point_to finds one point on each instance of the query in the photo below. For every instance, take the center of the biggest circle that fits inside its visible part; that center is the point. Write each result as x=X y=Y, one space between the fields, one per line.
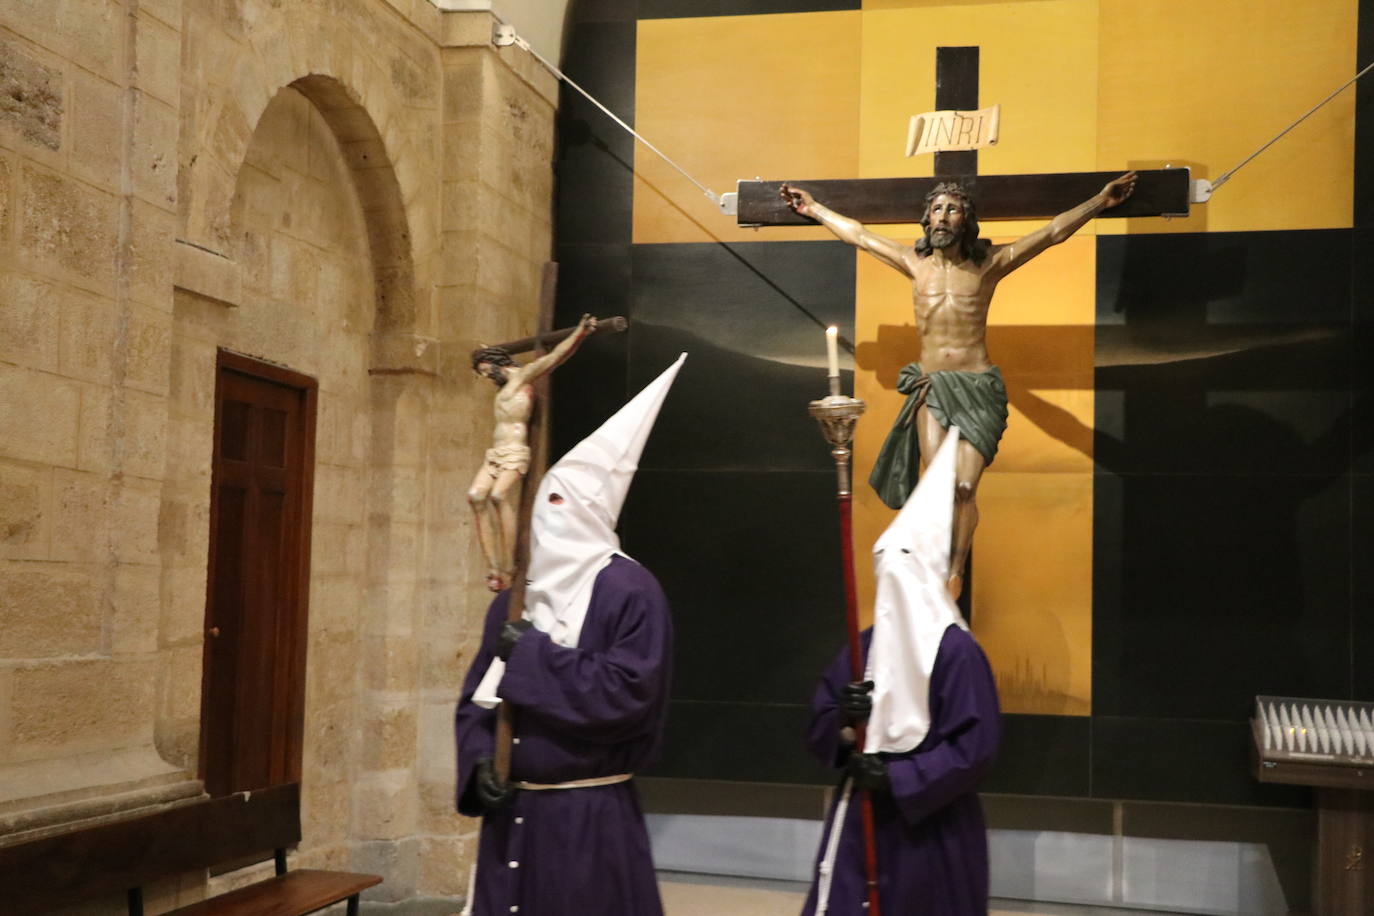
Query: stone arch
x=368 y=74
x=375 y=181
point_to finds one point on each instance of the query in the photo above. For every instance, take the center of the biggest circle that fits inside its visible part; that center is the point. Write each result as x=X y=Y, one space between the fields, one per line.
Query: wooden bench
x=122 y=856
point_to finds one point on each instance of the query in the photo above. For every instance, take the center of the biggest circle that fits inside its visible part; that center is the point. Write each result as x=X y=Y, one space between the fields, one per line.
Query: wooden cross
x=543 y=341
x=539 y=454
x=1158 y=192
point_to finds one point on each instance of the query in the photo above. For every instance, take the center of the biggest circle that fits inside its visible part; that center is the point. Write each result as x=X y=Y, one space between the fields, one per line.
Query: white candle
x=831 y=353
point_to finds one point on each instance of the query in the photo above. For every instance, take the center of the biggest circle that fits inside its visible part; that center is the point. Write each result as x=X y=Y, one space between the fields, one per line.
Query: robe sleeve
x=605 y=696
x=969 y=724
x=474 y=726
x=823 y=735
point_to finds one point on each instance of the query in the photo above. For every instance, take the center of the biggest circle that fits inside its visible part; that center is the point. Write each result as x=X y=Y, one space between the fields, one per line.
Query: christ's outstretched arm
x=559 y=354
x=1009 y=257
x=890 y=252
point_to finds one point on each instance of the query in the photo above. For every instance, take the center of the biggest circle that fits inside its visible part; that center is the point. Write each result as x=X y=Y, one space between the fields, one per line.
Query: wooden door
x=253 y=696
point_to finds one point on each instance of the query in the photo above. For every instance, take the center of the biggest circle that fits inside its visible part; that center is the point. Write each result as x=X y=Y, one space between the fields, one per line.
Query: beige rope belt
x=575 y=783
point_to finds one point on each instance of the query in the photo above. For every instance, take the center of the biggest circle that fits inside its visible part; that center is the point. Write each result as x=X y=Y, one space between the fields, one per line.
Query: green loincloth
x=976 y=402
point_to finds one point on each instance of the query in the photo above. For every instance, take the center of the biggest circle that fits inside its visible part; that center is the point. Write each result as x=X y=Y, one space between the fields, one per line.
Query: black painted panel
x=756 y=359
x=600 y=57
x=588 y=389
x=581 y=11
x=750 y=742
x=591 y=386
x=1210 y=590
x=1181 y=760
x=1362 y=586
x=750 y=564
x=1212 y=360
x=1041 y=755
x=1161 y=285
x=1176 y=420
x=593 y=278
x=595 y=162
x=1362 y=354
x=1061 y=814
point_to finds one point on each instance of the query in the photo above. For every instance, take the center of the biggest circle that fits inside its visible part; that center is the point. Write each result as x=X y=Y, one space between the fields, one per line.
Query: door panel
x=255 y=620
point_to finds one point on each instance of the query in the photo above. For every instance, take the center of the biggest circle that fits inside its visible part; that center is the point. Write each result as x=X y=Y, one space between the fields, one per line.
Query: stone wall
x=358 y=190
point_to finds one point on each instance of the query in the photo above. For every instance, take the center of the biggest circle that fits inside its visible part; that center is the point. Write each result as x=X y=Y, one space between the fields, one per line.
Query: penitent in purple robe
x=931 y=840
x=594 y=710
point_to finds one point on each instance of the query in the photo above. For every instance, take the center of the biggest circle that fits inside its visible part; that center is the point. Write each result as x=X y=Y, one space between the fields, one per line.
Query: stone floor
x=710 y=895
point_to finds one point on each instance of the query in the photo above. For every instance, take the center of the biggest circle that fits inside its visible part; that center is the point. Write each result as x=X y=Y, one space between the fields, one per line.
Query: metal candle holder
x=837 y=415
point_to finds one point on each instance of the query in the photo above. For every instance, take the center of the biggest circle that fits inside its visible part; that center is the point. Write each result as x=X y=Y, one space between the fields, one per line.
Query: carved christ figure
x=495 y=491
x=953 y=275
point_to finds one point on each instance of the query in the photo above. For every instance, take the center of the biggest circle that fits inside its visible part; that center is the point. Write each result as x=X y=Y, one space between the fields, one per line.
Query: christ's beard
x=941 y=238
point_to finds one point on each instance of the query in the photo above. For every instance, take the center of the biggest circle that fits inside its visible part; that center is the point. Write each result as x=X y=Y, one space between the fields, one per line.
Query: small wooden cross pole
x=539 y=459
x=1158 y=192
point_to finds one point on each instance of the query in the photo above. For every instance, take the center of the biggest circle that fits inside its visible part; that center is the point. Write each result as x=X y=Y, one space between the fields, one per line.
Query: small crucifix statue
x=496 y=490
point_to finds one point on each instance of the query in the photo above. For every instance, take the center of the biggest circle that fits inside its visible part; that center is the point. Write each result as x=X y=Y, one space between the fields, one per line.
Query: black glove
x=869 y=772
x=856 y=702
x=492 y=793
x=510 y=635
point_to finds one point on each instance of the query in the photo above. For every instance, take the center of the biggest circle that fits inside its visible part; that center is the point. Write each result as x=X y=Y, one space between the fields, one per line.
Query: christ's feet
x=497 y=582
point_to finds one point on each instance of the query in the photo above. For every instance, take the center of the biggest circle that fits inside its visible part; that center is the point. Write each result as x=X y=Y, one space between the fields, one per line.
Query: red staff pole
x=837 y=415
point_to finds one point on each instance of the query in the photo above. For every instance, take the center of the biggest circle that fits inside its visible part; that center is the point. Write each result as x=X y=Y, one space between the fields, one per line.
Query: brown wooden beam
x=956 y=89
x=1158 y=192
x=612 y=325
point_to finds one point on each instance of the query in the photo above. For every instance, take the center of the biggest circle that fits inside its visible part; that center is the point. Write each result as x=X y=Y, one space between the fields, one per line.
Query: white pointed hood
x=573 y=538
x=913 y=607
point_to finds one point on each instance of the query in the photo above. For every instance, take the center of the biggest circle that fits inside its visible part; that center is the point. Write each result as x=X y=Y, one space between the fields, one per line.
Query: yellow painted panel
x=1058 y=287
x=1048 y=431
x=1037 y=60
x=1208 y=82
x=926 y=4
x=1032 y=590
x=737 y=97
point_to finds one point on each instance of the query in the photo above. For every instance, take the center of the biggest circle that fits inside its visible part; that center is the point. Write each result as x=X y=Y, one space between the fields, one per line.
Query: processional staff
x=837 y=415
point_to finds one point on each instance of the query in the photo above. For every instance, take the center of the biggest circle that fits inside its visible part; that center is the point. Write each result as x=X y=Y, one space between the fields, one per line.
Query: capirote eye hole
x=556 y=498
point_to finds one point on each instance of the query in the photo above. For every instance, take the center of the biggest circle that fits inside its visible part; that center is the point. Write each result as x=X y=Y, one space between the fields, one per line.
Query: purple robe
x=594 y=710
x=931 y=840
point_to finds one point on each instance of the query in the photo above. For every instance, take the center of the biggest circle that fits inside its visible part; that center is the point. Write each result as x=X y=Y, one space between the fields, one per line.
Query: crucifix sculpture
x=534 y=424
x=953 y=276
x=496 y=491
